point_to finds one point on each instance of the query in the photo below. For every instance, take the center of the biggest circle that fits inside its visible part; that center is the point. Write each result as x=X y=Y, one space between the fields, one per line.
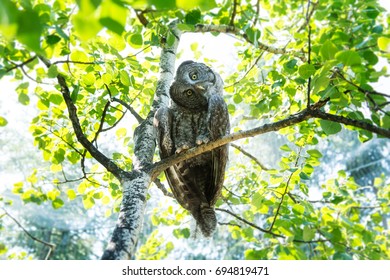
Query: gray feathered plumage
x=198 y=114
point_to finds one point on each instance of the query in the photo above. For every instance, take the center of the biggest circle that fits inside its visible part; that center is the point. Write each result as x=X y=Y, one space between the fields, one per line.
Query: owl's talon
x=182 y=148
x=202 y=140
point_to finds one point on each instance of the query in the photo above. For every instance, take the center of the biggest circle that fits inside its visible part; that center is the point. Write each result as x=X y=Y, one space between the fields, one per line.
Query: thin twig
x=21 y=64
x=257 y=12
x=244 y=152
x=50 y=245
x=234 y=11
x=128 y=107
x=247 y=72
x=308 y=52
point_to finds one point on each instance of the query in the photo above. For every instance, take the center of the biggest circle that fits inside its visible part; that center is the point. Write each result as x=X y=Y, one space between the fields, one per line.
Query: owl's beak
x=199 y=87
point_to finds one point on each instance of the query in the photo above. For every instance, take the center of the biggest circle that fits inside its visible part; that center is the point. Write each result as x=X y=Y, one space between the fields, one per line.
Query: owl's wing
x=183 y=178
x=219 y=126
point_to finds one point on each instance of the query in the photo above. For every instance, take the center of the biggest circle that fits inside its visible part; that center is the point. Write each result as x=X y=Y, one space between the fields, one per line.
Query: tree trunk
x=135 y=184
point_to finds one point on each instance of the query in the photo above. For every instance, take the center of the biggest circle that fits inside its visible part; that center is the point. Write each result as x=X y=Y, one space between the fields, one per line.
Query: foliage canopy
x=315 y=61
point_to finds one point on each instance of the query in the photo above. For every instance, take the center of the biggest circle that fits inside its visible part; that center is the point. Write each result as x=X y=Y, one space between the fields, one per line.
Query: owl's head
x=191 y=86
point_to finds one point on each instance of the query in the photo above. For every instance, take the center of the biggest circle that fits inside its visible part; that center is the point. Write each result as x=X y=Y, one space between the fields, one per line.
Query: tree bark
x=129 y=225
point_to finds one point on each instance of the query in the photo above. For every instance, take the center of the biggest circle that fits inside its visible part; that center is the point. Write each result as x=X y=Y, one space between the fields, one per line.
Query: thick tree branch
x=72 y=111
x=351 y=122
x=312 y=112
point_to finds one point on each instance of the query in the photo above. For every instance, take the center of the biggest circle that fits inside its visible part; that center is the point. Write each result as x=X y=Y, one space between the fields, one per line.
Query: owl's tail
x=206 y=220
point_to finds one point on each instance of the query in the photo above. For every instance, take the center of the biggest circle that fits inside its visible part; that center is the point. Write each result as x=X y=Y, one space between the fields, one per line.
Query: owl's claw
x=182 y=148
x=202 y=140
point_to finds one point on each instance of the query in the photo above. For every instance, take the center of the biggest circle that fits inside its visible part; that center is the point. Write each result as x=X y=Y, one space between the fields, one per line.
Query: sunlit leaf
x=384 y=44
x=306 y=70
x=135 y=40
x=330 y=127
x=3 y=121
x=57 y=203
x=29 y=29
x=328 y=50
x=349 y=58
x=71 y=194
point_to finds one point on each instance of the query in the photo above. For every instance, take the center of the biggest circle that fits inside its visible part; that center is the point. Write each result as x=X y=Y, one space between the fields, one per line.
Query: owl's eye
x=194 y=76
x=189 y=92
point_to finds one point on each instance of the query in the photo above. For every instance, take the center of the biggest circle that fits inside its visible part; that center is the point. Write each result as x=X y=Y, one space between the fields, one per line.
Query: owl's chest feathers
x=187 y=126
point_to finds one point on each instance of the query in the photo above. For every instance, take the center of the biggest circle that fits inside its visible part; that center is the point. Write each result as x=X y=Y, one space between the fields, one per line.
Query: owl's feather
x=198 y=114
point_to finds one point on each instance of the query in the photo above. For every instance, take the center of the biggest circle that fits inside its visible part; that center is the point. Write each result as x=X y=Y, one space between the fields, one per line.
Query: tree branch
x=48 y=244
x=72 y=111
x=247 y=72
x=265 y=230
x=244 y=152
x=128 y=107
x=128 y=228
x=257 y=12
x=308 y=113
x=21 y=64
x=234 y=11
x=355 y=123
x=238 y=32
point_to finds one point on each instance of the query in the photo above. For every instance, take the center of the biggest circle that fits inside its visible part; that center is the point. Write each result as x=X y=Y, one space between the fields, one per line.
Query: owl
x=197 y=114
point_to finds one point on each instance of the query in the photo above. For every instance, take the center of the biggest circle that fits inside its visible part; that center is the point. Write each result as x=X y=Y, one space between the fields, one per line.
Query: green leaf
x=53 y=71
x=57 y=203
x=8 y=18
x=285 y=148
x=298 y=209
x=29 y=29
x=330 y=127
x=384 y=44
x=86 y=22
x=306 y=70
x=304 y=176
x=73 y=157
x=237 y=98
x=170 y=38
x=253 y=35
x=89 y=79
x=320 y=83
x=328 y=50
x=164 y=4
x=308 y=233
x=24 y=99
x=59 y=156
x=3 y=121
x=113 y=16
x=186 y=27
x=71 y=194
x=88 y=202
x=349 y=58
x=192 y=17
x=314 y=153
x=112 y=25
x=204 y=5
x=55 y=98
x=135 y=40
x=52 y=39
x=125 y=78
